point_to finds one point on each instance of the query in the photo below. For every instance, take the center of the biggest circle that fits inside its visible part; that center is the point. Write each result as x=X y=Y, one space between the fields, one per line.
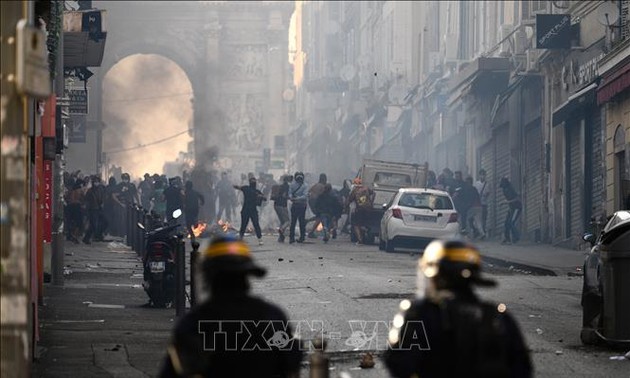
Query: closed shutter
x=575 y=182
x=597 y=166
x=533 y=193
x=502 y=159
x=487 y=163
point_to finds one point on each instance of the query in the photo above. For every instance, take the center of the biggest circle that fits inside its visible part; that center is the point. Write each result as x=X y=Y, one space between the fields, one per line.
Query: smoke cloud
x=146 y=99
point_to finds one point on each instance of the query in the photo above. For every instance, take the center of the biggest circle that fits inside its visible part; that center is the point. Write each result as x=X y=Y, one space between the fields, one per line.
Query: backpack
x=363 y=198
x=275 y=192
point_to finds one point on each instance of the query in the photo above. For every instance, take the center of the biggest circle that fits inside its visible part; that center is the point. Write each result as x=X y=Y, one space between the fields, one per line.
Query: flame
x=199 y=228
x=320 y=228
x=225 y=225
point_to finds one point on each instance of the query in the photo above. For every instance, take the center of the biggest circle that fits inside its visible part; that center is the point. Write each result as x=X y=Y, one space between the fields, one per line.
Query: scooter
x=162 y=245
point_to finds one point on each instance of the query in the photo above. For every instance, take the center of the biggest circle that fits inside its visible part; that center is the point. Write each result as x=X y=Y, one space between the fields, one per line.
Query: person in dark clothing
x=280 y=202
x=127 y=193
x=193 y=200
x=94 y=204
x=511 y=234
x=109 y=209
x=232 y=334
x=313 y=194
x=174 y=198
x=146 y=191
x=74 y=201
x=328 y=206
x=252 y=198
x=226 y=197
x=450 y=332
x=298 y=195
x=344 y=194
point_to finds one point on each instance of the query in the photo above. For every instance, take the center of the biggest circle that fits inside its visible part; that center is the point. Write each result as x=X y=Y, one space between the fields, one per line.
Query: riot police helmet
x=452 y=264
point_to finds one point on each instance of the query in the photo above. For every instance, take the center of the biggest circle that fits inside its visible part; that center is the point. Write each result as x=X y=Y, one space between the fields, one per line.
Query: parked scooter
x=162 y=244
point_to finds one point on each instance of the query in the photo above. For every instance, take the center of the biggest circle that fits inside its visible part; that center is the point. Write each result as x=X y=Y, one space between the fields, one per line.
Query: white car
x=416 y=216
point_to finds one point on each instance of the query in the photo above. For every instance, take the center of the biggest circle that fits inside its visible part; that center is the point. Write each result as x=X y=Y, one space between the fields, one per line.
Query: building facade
x=470 y=85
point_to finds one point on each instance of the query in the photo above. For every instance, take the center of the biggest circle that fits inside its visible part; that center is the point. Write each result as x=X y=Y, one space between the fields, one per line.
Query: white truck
x=385 y=178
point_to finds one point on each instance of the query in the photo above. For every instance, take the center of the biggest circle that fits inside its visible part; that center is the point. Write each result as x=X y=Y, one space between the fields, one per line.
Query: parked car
x=416 y=216
x=593 y=298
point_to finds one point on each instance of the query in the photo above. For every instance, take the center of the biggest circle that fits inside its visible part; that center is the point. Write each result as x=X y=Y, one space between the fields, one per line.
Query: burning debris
x=206 y=230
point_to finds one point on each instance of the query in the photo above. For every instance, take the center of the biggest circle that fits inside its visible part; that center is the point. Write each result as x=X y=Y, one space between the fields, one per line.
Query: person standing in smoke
x=511 y=234
x=94 y=202
x=226 y=197
x=146 y=191
x=313 y=194
x=252 y=198
x=298 y=195
x=193 y=201
x=280 y=196
x=174 y=198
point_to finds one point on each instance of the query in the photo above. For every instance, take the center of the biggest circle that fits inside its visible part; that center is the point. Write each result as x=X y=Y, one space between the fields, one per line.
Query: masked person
x=174 y=197
x=280 y=197
x=252 y=198
x=450 y=332
x=511 y=234
x=232 y=333
x=298 y=194
x=363 y=198
x=193 y=201
x=94 y=203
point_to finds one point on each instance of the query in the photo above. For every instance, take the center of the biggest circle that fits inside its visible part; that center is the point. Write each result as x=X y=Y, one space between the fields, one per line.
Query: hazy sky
x=146 y=98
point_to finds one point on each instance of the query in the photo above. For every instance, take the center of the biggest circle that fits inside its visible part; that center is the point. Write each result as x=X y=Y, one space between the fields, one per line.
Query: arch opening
x=148 y=110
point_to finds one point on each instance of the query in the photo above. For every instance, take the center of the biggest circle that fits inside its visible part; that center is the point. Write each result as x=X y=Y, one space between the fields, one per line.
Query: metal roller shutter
x=597 y=166
x=502 y=168
x=533 y=193
x=487 y=163
x=575 y=181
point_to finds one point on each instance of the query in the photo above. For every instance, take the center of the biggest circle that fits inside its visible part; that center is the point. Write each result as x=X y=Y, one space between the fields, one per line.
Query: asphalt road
x=96 y=324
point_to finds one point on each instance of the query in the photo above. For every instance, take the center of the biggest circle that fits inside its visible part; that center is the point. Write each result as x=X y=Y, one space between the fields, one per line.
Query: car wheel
x=389 y=246
x=381 y=245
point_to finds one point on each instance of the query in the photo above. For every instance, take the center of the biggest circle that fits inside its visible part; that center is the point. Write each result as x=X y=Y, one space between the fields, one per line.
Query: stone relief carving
x=244 y=120
x=246 y=62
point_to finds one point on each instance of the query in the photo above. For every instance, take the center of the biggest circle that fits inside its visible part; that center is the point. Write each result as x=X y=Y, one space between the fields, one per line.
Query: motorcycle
x=162 y=245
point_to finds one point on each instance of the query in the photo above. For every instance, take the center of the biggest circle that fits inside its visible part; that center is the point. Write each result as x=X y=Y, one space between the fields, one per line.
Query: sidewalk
x=545 y=257
x=95 y=325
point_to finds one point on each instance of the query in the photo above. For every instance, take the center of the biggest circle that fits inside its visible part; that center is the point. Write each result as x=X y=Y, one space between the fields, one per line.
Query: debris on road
x=535 y=316
x=617 y=358
x=280 y=259
x=559 y=352
x=367 y=361
x=539 y=331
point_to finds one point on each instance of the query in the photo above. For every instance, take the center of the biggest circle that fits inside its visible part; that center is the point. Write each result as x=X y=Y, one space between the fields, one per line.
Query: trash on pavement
x=280 y=259
x=92 y=266
x=535 y=316
x=367 y=361
x=617 y=358
x=539 y=331
x=559 y=352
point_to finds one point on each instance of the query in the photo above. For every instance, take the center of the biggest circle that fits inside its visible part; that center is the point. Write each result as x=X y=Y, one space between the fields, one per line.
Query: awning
x=614 y=84
x=584 y=96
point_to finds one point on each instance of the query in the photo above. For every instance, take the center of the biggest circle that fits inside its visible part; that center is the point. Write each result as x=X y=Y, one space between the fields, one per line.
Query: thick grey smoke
x=146 y=98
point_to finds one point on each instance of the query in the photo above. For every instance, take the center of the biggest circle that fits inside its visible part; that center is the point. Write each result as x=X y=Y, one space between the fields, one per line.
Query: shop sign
x=553 y=31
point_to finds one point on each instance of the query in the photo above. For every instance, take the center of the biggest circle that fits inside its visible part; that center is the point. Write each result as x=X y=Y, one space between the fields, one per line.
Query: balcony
x=84 y=36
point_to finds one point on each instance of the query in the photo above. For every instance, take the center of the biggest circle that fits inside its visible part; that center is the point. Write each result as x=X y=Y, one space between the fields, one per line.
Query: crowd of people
x=94 y=209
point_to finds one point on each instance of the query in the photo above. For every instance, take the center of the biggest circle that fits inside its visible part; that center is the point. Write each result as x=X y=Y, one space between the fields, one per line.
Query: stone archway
x=235 y=54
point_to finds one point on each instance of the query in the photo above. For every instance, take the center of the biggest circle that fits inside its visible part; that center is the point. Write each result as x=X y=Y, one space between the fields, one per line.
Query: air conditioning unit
x=520 y=41
x=434 y=61
x=451 y=46
x=532 y=60
x=504 y=31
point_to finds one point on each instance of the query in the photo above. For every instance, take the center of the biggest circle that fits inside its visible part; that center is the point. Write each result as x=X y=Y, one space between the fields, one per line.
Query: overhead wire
x=149 y=144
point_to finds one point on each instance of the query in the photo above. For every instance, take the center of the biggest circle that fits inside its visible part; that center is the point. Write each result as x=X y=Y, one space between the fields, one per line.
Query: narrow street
x=96 y=324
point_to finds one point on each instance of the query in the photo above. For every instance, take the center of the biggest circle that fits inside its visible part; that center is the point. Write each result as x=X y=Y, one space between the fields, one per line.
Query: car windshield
x=425 y=200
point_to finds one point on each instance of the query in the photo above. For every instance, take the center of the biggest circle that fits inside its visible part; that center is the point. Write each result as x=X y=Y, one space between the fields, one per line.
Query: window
x=279 y=142
x=392 y=179
x=624 y=19
x=425 y=201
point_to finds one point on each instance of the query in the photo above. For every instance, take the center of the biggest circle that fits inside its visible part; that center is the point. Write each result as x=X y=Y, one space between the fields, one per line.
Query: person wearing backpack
x=363 y=198
x=280 y=197
x=298 y=194
x=450 y=332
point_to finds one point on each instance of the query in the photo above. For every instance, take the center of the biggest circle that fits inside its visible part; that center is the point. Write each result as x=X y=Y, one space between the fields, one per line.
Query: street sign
x=76 y=129
x=32 y=70
x=78 y=101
